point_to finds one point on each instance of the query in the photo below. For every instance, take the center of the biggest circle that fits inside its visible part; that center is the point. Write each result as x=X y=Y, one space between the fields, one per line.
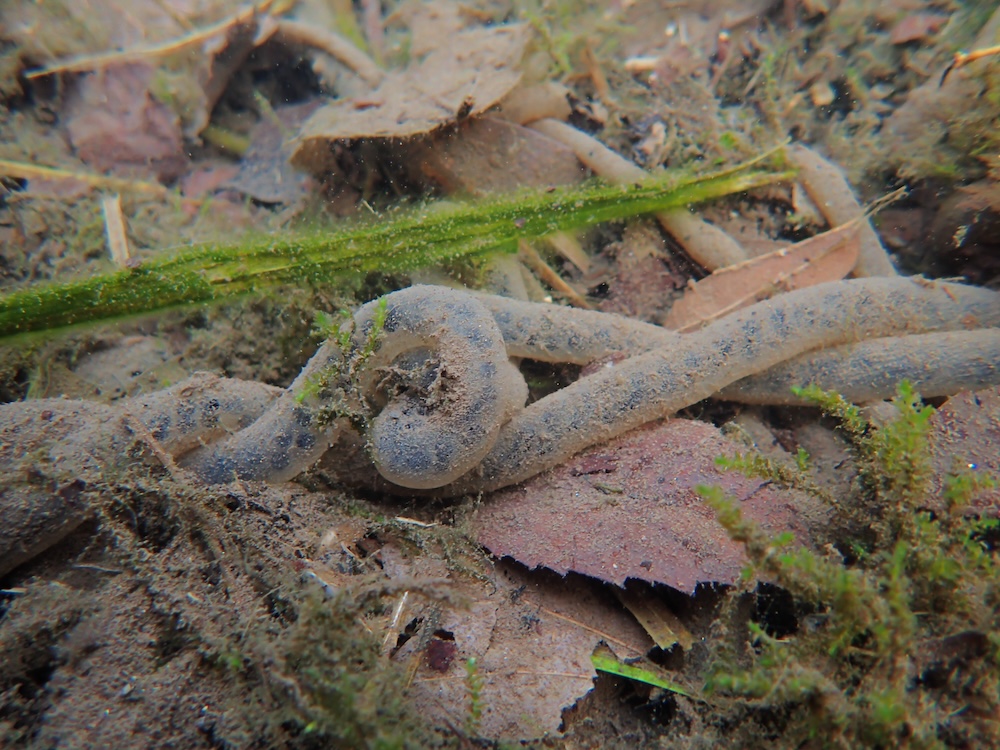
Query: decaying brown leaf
x=470 y=74
x=115 y=124
x=489 y=155
x=630 y=509
x=829 y=256
x=532 y=635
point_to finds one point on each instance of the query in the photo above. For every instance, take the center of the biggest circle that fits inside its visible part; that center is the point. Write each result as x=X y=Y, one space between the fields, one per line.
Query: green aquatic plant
x=753 y=464
x=897 y=642
x=333 y=390
x=474 y=682
x=604 y=660
x=336 y=684
x=393 y=243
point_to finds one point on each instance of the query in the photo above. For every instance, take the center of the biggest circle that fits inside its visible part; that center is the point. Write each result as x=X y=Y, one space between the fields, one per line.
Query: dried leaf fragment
x=114 y=123
x=829 y=256
x=464 y=78
x=656 y=618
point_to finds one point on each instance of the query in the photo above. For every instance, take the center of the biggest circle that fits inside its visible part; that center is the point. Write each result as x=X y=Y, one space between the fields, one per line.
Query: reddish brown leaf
x=643 y=519
x=116 y=125
x=826 y=257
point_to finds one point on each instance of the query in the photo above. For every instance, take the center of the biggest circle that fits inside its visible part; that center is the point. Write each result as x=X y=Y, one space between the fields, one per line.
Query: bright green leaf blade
x=604 y=661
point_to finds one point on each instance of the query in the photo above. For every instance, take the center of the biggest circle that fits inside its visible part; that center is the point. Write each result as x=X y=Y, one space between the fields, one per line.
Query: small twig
x=414 y=522
x=530 y=257
x=600 y=633
x=267 y=113
x=393 y=625
x=114 y=227
x=597 y=77
x=962 y=59
x=222 y=138
x=642 y=63
x=97 y=568
x=885 y=200
x=569 y=248
x=729 y=50
x=145 y=436
x=523 y=672
x=25 y=171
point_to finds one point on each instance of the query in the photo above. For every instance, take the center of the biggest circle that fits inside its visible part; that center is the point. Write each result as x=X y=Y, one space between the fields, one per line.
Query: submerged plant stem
x=216 y=272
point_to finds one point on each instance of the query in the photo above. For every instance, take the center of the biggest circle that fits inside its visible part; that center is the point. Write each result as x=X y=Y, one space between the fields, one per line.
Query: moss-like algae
x=345 y=692
x=900 y=648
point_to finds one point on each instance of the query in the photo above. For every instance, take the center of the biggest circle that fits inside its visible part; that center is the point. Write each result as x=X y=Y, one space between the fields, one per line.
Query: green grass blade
x=604 y=661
